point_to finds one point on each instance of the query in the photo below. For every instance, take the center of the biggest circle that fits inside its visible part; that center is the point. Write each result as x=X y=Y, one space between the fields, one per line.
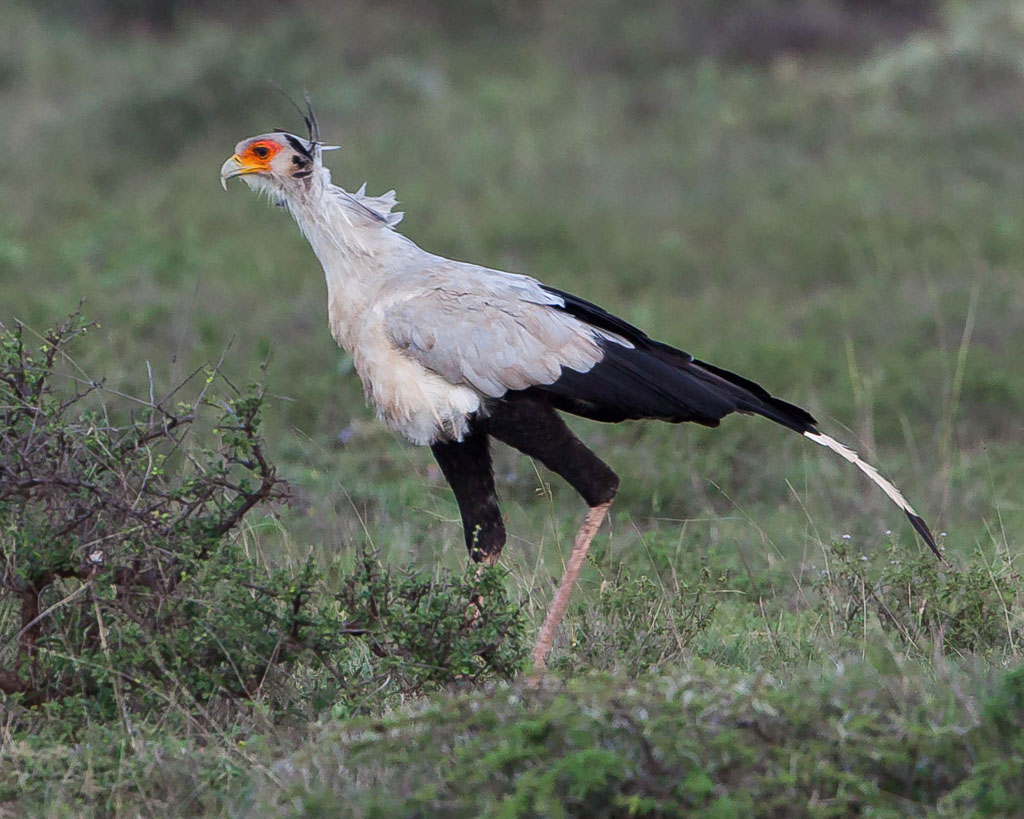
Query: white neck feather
x=355 y=244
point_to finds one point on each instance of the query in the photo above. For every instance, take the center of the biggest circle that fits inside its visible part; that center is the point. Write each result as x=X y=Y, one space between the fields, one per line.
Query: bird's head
x=277 y=163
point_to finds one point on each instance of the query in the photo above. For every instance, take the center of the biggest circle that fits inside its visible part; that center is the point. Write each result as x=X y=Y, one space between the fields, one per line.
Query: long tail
x=648 y=379
x=891 y=491
x=759 y=401
x=766 y=405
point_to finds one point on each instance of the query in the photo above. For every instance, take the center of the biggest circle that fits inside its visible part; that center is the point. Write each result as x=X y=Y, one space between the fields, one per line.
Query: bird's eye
x=261 y=151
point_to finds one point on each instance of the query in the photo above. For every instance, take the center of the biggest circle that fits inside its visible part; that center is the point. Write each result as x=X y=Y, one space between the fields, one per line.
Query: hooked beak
x=233 y=167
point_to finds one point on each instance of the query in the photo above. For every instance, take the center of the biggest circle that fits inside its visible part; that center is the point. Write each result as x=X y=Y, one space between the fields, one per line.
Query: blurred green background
x=824 y=196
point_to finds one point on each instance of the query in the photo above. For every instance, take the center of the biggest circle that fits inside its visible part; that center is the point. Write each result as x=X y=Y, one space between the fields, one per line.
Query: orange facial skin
x=259 y=154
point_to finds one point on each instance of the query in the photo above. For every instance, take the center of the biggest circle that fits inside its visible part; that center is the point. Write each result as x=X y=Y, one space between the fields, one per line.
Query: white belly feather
x=408 y=397
x=417 y=403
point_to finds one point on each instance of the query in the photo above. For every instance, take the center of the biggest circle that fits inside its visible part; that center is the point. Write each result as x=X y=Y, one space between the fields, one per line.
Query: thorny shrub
x=125 y=595
x=421 y=633
x=640 y=624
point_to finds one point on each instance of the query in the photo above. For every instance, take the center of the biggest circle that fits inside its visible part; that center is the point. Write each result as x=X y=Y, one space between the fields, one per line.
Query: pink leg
x=558 y=606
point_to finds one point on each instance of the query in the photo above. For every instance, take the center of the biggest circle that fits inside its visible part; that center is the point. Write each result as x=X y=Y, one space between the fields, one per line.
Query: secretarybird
x=452 y=354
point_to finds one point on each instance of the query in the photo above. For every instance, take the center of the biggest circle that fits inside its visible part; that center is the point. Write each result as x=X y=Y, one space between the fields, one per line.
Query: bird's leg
x=595 y=515
x=530 y=425
x=466 y=465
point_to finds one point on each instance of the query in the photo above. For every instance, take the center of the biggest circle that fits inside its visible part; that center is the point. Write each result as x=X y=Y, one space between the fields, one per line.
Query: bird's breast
x=409 y=398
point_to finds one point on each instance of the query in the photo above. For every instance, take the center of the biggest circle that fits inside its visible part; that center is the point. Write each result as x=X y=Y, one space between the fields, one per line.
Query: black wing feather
x=655 y=380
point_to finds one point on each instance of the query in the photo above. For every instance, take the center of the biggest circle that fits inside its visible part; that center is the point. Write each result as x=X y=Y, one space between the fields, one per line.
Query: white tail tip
x=891 y=491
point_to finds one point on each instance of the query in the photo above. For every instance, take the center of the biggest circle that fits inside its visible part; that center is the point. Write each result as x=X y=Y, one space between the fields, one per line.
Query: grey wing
x=489 y=330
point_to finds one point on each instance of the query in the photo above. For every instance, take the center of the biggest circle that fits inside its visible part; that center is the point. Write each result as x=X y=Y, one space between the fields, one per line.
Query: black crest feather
x=308 y=118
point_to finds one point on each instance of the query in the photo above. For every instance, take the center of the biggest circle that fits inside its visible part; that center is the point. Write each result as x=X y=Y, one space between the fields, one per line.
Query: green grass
x=847 y=231
x=704 y=741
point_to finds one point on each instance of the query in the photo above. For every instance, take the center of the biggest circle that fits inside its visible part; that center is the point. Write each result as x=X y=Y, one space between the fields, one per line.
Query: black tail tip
x=926 y=534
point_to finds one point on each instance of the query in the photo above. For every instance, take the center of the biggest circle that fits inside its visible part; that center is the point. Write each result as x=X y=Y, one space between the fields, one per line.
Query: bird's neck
x=356 y=249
